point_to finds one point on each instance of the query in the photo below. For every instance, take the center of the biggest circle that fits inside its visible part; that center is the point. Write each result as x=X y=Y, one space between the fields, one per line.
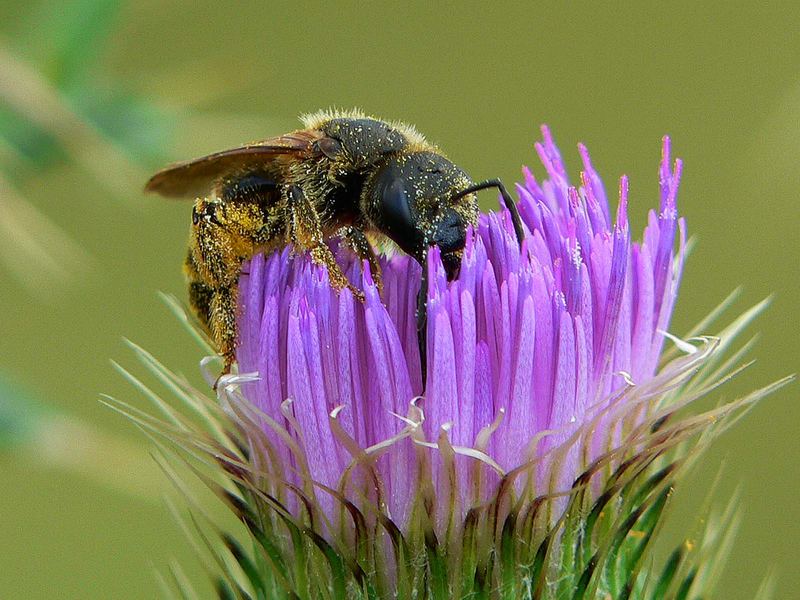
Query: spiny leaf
x=182 y=582
x=224 y=591
x=686 y=585
x=230 y=575
x=766 y=591
x=507 y=559
x=668 y=573
x=339 y=575
x=633 y=552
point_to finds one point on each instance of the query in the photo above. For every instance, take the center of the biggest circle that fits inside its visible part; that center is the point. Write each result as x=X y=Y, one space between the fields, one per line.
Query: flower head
x=526 y=341
x=537 y=458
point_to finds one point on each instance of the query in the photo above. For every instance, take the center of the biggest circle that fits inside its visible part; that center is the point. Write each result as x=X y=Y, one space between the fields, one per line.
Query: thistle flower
x=522 y=342
x=536 y=460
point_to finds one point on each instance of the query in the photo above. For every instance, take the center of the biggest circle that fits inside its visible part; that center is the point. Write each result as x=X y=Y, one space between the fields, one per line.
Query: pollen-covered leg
x=200 y=293
x=212 y=267
x=200 y=297
x=359 y=243
x=223 y=236
x=306 y=233
x=223 y=325
x=322 y=255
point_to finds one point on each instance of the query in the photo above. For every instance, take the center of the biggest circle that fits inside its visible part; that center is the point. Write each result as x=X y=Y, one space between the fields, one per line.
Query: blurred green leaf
x=66 y=39
x=33 y=143
x=19 y=415
x=35 y=105
x=61 y=44
x=58 y=441
x=137 y=126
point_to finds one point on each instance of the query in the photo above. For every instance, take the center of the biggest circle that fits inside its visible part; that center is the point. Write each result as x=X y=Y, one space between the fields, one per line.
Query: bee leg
x=422 y=321
x=200 y=296
x=359 y=243
x=306 y=233
x=322 y=255
x=200 y=293
x=223 y=326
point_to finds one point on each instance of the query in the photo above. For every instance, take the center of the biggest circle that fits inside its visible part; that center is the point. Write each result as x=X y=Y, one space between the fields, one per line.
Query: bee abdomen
x=250 y=187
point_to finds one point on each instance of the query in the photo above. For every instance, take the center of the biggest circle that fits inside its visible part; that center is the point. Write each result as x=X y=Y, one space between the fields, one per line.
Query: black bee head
x=409 y=199
x=450 y=236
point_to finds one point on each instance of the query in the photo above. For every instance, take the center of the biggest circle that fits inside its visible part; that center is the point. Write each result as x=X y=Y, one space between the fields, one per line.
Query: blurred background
x=96 y=94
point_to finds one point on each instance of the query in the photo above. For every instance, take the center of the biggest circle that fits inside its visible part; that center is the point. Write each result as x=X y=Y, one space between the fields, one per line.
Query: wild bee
x=347 y=174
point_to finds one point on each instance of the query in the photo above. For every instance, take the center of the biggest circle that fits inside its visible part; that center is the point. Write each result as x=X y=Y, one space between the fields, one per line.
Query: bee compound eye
x=397 y=217
x=330 y=147
x=396 y=209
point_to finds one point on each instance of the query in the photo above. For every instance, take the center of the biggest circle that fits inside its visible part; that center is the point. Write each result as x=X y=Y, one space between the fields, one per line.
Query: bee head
x=410 y=199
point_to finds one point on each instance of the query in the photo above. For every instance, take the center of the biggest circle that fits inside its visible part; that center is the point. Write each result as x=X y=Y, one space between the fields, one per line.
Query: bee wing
x=196 y=177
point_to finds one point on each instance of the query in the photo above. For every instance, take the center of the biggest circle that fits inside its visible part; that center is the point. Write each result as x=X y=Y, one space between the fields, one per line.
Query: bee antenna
x=508 y=201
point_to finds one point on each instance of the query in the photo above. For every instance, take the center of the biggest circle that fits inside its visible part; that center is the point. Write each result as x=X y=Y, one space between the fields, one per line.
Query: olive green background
x=723 y=81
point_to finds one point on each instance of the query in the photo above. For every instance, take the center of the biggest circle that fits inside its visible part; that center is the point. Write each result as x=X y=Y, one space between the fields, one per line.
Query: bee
x=343 y=174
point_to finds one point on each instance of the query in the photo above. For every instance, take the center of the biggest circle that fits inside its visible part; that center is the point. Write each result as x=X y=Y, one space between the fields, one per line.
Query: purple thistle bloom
x=537 y=459
x=525 y=348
